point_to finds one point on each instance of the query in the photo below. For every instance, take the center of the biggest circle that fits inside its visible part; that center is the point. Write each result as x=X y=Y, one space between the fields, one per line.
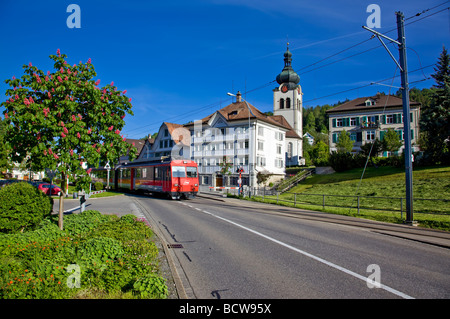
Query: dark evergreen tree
x=442 y=70
x=435 y=119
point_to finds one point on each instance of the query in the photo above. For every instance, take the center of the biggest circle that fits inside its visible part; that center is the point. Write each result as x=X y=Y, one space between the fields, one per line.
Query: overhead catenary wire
x=152 y=125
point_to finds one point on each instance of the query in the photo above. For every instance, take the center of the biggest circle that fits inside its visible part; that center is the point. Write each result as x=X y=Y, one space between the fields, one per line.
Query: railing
x=287 y=184
x=387 y=204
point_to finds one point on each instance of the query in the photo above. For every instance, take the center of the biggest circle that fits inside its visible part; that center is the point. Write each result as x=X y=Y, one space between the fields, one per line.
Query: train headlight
x=195 y=184
x=176 y=185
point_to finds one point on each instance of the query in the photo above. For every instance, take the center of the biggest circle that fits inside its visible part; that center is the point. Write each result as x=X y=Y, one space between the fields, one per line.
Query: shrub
x=22 y=207
x=101 y=249
x=342 y=161
x=151 y=286
x=114 y=255
x=98 y=186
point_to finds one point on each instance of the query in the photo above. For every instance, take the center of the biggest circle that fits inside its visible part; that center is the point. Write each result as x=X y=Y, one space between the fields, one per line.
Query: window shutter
x=334 y=122
x=382 y=135
x=335 y=137
x=383 y=119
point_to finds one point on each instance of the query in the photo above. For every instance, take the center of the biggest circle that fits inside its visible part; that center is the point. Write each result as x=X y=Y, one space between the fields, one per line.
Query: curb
x=182 y=285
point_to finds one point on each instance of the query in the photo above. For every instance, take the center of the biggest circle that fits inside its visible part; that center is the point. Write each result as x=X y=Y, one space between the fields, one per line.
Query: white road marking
x=345 y=270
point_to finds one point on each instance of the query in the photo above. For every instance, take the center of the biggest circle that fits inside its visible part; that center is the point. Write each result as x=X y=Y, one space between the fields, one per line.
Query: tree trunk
x=61 y=200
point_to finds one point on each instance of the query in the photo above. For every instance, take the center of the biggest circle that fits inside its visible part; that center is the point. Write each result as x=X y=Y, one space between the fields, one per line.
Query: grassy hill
x=381 y=189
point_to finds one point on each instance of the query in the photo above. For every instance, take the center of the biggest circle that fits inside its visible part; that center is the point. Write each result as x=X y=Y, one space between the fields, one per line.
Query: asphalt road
x=240 y=249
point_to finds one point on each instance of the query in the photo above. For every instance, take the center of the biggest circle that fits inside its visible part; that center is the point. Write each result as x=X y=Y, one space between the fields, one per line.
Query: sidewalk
x=119 y=205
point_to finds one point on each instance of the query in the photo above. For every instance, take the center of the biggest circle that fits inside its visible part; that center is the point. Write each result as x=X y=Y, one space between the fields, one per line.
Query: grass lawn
x=428 y=183
x=104 y=194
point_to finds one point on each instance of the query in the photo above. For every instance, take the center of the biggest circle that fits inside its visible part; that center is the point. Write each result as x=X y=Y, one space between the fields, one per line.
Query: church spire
x=288 y=76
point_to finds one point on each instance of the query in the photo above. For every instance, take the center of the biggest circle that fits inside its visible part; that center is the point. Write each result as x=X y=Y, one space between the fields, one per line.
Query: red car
x=45 y=187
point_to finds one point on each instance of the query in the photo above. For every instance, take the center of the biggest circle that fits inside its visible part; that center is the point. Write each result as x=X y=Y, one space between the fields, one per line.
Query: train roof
x=154 y=163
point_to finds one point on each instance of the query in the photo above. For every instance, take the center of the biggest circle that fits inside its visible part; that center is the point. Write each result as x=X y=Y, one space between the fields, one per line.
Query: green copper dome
x=288 y=75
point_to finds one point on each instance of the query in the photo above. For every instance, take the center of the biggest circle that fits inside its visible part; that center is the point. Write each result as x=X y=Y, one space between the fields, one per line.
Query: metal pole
x=406 y=118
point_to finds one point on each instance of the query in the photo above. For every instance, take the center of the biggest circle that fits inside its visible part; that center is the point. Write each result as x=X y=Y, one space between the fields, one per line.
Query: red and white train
x=176 y=178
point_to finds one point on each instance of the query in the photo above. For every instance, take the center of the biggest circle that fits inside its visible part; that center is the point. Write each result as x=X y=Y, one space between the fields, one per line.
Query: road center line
x=345 y=270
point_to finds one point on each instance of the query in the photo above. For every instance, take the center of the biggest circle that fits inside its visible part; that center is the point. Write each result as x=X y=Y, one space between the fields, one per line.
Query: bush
x=115 y=257
x=22 y=207
x=98 y=186
x=342 y=161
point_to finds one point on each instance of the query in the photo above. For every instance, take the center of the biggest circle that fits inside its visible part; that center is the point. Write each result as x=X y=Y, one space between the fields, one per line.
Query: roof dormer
x=369 y=102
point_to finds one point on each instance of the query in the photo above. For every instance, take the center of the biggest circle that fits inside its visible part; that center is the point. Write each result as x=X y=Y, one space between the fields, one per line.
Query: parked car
x=45 y=187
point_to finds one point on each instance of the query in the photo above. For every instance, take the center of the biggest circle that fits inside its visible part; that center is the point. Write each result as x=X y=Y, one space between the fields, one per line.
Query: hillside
x=381 y=194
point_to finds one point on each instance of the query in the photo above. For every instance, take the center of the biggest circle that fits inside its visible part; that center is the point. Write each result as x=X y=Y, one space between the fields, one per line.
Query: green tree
x=435 y=119
x=4 y=152
x=391 y=141
x=442 y=70
x=372 y=149
x=344 y=144
x=63 y=119
x=320 y=154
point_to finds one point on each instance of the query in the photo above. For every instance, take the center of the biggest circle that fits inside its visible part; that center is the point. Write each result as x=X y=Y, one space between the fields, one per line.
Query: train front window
x=191 y=172
x=178 y=171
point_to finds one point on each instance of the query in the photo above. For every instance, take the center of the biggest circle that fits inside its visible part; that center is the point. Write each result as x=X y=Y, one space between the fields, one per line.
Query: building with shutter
x=368 y=118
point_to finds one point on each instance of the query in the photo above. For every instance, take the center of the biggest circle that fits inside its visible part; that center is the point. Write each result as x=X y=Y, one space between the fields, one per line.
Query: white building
x=238 y=136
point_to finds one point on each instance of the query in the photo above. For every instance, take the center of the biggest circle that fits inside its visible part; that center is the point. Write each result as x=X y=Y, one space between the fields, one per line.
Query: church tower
x=287 y=98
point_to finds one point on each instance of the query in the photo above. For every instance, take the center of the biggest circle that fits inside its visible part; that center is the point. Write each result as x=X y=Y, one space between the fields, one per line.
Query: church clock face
x=284 y=88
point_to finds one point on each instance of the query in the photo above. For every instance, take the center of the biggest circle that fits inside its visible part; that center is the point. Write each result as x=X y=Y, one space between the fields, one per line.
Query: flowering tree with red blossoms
x=63 y=119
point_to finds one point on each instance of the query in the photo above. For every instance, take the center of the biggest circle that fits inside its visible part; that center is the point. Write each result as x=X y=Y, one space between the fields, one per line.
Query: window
x=279 y=136
x=353 y=136
x=278 y=163
x=390 y=119
x=281 y=103
x=354 y=121
x=370 y=135
x=289 y=152
x=339 y=123
x=278 y=149
x=261 y=131
x=288 y=103
x=260 y=146
x=260 y=161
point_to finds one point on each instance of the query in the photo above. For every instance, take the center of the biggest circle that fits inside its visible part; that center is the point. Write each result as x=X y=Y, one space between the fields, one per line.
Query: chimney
x=238 y=96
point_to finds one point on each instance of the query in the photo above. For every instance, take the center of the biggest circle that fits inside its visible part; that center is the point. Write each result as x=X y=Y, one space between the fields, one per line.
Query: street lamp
x=250 y=112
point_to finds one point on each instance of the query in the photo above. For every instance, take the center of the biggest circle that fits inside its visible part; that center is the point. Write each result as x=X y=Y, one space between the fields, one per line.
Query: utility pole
x=403 y=66
x=406 y=117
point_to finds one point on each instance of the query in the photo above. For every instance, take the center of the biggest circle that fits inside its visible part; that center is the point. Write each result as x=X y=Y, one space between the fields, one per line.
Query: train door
x=132 y=179
x=166 y=178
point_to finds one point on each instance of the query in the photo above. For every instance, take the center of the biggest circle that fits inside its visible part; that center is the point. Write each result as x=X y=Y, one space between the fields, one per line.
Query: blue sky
x=178 y=59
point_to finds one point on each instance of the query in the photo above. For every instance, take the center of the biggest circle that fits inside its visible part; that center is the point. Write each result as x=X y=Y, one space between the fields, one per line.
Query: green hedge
x=22 y=207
